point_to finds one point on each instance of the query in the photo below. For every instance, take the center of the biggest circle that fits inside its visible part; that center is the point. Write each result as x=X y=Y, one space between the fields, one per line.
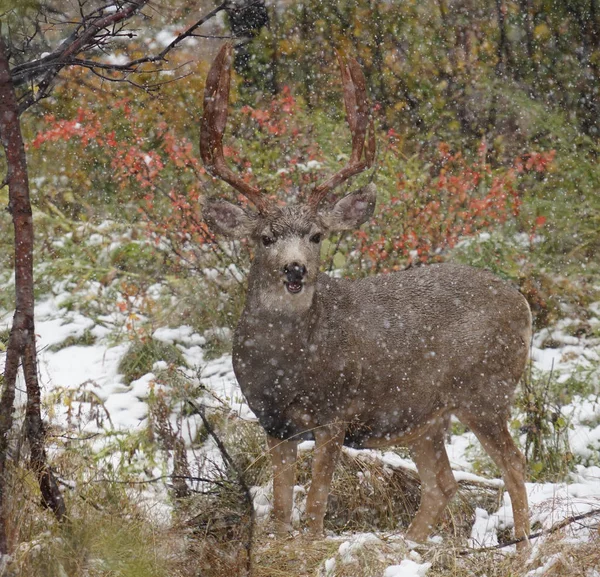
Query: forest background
x=488 y=132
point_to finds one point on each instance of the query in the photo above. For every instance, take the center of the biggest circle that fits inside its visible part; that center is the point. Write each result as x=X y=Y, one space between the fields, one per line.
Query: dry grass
x=219 y=532
x=295 y=556
x=367 y=495
x=347 y=556
x=571 y=560
x=555 y=557
x=108 y=533
x=210 y=557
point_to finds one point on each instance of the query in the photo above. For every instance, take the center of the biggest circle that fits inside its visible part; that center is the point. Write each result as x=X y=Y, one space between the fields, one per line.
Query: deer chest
x=287 y=383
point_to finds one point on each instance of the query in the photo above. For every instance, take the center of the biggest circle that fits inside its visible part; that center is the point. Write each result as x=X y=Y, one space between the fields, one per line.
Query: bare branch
x=239 y=477
x=84 y=37
x=89 y=39
x=93 y=32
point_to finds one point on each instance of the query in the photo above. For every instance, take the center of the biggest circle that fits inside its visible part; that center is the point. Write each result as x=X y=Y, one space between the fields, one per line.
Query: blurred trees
x=446 y=64
x=521 y=75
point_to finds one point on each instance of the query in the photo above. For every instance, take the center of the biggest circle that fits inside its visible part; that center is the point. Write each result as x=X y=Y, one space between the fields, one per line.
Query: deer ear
x=351 y=211
x=227 y=219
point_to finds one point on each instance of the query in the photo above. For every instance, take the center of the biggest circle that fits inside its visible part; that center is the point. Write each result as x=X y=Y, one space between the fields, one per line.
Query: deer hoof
x=282 y=528
x=415 y=535
x=315 y=531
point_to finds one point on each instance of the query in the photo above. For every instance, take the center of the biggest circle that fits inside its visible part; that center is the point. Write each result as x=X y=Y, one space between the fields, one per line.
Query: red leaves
x=277 y=119
x=536 y=161
x=457 y=200
x=86 y=127
x=140 y=163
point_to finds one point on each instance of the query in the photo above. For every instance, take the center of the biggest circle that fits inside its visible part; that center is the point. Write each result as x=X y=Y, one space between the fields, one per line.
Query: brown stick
x=557 y=527
x=239 y=477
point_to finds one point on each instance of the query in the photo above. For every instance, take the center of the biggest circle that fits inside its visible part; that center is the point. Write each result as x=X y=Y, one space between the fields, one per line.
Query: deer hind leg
x=438 y=485
x=328 y=445
x=283 y=459
x=494 y=436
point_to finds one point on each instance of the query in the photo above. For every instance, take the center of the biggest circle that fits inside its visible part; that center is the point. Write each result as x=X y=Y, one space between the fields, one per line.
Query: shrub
x=546 y=447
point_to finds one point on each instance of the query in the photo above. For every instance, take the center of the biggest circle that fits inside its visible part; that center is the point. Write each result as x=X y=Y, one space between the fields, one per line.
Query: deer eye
x=267 y=240
x=316 y=238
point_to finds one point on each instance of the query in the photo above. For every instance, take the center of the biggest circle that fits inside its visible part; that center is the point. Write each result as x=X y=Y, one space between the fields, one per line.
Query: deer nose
x=294 y=271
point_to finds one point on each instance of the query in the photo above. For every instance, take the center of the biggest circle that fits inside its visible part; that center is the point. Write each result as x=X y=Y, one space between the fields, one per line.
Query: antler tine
x=360 y=122
x=214 y=120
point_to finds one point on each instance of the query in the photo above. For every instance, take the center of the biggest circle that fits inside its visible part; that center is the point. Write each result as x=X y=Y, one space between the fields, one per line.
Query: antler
x=358 y=117
x=214 y=120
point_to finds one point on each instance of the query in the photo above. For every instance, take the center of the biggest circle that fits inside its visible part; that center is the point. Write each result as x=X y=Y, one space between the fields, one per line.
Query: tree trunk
x=21 y=343
x=503 y=50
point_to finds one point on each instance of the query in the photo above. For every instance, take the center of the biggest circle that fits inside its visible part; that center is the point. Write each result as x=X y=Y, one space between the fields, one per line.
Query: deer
x=369 y=363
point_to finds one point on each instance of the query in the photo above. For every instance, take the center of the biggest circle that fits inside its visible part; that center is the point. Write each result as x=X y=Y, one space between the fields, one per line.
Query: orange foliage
x=460 y=199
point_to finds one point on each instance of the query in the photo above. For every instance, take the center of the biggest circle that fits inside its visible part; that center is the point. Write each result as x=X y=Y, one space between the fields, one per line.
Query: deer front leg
x=283 y=459
x=328 y=444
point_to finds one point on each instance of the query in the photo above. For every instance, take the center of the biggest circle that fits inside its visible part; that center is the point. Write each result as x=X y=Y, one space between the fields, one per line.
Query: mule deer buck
x=369 y=363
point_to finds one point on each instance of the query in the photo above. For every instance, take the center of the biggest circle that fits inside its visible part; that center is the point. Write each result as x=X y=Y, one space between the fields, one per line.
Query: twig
x=560 y=525
x=76 y=42
x=93 y=31
x=200 y=410
x=162 y=478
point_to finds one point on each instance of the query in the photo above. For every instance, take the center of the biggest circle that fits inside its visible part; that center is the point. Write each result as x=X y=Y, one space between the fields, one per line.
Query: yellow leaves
x=542 y=32
x=287 y=46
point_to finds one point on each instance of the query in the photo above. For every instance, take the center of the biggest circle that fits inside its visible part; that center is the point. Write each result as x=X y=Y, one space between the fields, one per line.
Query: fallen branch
x=560 y=525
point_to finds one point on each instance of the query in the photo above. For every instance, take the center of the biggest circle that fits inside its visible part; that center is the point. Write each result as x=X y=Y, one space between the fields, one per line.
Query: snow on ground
x=96 y=367
x=407 y=568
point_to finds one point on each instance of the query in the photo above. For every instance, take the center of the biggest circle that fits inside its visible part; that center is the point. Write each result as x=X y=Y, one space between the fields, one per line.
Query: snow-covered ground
x=95 y=368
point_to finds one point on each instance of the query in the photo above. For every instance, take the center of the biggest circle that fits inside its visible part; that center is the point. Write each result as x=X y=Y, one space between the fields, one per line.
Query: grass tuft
x=86 y=339
x=109 y=530
x=143 y=353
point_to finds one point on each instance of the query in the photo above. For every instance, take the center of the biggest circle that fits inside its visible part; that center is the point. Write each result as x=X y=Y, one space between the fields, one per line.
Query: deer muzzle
x=294 y=275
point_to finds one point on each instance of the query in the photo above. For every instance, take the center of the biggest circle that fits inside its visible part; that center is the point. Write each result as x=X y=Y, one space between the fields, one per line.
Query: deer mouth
x=293 y=287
